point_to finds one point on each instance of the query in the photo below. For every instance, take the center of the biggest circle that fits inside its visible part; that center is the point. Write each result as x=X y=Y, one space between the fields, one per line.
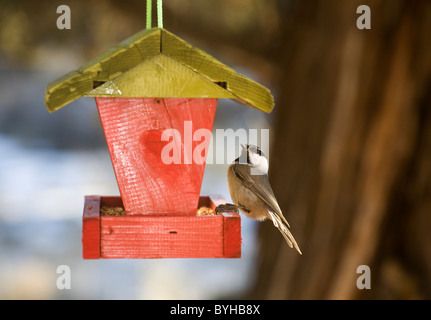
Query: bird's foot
x=226 y=207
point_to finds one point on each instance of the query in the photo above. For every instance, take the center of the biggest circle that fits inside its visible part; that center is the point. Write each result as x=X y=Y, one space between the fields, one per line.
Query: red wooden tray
x=159 y=236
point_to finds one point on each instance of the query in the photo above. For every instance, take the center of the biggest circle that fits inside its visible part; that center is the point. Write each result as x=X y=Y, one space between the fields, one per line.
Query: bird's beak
x=243 y=146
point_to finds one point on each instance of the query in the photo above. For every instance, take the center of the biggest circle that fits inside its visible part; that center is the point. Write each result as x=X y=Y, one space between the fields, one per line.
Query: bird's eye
x=248 y=158
x=256 y=149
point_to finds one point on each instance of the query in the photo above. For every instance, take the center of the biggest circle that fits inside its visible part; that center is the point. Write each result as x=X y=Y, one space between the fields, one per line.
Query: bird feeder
x=147 y=84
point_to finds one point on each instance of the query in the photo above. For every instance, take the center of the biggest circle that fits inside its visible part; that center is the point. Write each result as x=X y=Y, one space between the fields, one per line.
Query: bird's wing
x=260 y=186
x=284 y=231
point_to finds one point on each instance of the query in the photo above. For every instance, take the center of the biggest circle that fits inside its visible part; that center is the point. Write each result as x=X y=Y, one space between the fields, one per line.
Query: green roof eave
x=156 y=63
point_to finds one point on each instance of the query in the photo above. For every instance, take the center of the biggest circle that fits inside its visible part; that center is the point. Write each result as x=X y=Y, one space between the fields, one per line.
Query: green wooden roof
x=156 y=63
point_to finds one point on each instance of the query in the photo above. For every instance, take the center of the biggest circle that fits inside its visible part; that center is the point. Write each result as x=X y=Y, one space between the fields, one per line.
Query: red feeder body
x=133 y=129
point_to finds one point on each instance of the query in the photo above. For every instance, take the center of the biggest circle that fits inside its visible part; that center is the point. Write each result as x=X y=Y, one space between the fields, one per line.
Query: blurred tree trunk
x=351 y=156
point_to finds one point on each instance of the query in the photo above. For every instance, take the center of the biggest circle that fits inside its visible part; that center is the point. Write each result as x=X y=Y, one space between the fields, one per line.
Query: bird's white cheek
x=264 y=165
x=260 y=167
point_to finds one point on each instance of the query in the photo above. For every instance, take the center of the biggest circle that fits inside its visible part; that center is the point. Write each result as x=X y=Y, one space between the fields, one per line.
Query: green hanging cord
x=149 y=14
x=159 y=14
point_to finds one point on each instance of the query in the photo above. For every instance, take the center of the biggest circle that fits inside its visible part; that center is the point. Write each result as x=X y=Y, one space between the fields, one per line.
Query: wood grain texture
x=161 y=76
x=150 y=237
x=231 y=226
x=133 y=128
x=245 y=90
x=103 y=67
x=162 y=237
x=231 y=235
x=91 y=228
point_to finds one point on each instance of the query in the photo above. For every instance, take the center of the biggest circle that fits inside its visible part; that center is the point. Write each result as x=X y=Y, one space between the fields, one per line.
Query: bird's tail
x=278 y=223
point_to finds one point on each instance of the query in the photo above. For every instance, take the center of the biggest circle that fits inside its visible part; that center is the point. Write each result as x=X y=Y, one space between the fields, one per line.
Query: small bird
x=251 y=192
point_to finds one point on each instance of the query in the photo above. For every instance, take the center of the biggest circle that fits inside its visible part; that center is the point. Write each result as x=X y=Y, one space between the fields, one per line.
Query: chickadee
x=251 y=192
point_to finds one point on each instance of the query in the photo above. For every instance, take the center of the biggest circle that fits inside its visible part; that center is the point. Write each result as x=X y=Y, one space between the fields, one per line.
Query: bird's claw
x=226 y=207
